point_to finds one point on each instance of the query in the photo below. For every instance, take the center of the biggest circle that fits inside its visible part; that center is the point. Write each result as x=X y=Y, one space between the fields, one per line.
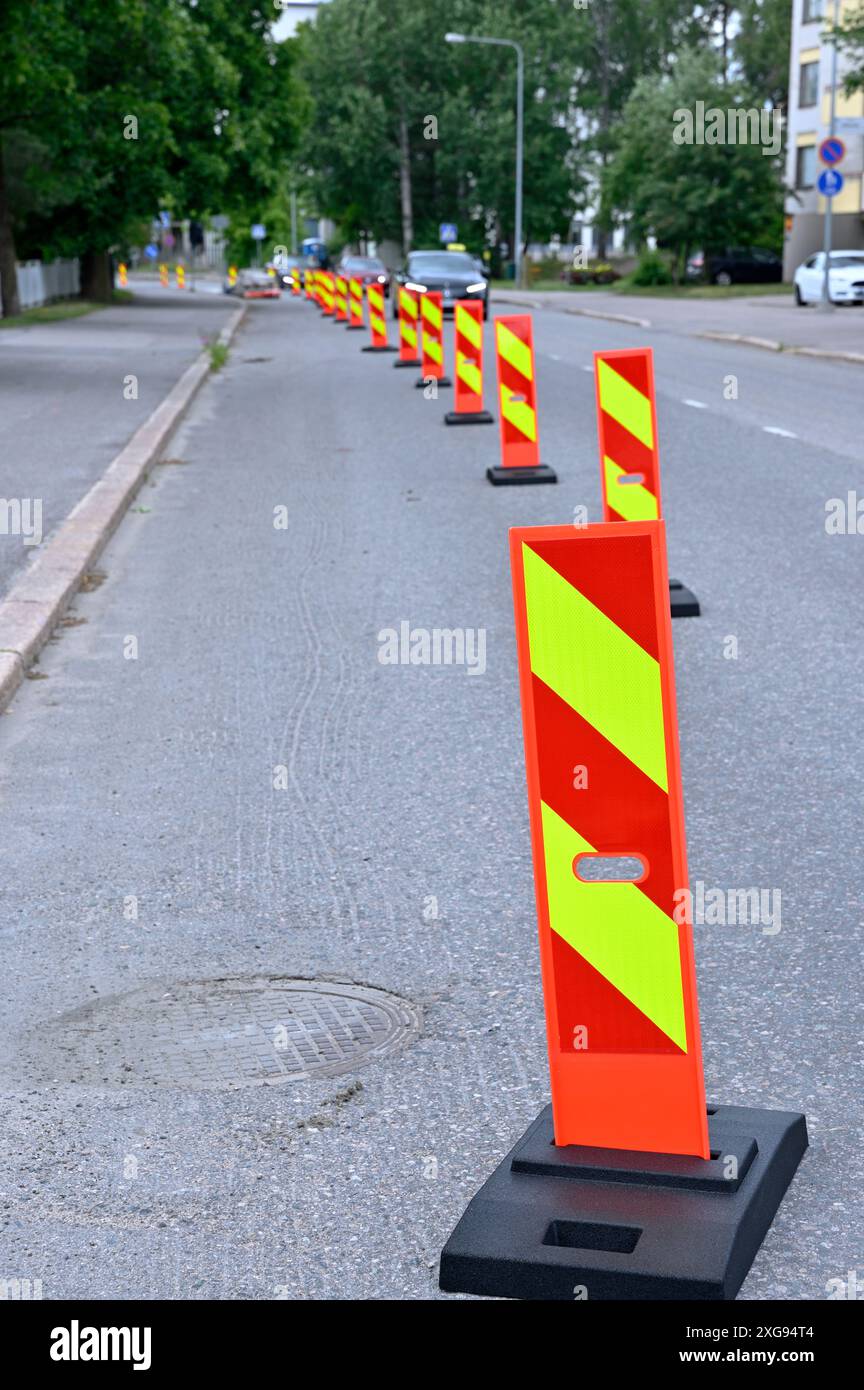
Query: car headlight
x=382 y=279
x=418 y=289
x=472 y=289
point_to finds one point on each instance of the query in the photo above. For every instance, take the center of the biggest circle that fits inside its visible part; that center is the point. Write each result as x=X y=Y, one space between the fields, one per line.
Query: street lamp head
x=454 y=38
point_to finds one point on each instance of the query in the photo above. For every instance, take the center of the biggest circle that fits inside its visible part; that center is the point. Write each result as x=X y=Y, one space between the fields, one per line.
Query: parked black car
x=737 y=265
x=454 y=273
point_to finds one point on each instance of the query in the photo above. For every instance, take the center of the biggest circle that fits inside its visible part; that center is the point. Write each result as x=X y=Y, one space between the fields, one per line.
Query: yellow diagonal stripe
x=514 y=351
x=633 y=501
x=408 y=304
x=431 y=313
x=408 y=333
x=467 y=325
x=467 y=371
x=519 y=413
x=624 y=403
x=432 y=348
x=378 y=324
x=592 y=664
x=617 y=928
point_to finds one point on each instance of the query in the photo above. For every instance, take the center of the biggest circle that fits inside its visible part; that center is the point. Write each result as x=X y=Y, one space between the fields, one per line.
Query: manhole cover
x=220 y=1034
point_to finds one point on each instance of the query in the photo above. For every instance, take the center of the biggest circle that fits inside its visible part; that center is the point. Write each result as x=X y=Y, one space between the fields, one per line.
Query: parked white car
x=845 y=278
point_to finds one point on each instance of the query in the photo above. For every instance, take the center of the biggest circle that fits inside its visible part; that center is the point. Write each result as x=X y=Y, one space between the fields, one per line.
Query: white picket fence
x=39 y=282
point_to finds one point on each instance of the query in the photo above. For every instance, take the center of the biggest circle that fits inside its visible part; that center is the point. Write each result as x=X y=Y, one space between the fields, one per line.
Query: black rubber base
x=439 y=380
x=378 y=349
x=469 y=417
x=509 y=477
x=411 y=362
x=575 y=1223
x=684 y=603
x=354 y=328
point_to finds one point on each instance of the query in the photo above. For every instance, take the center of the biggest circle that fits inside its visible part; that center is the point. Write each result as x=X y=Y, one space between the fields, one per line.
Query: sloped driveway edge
x=31 y=609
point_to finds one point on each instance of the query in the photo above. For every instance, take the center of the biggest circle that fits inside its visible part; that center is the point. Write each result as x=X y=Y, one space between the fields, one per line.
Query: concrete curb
x=789 y=349
x=37 y=600
x=527 y=303
x=769 y=344
x=833 y=354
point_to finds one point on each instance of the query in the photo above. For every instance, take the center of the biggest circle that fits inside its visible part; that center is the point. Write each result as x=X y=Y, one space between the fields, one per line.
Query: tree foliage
x=691 y=195
x=111 y=109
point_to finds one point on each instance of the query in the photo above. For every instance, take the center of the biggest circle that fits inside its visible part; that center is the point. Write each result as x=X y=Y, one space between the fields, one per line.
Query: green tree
x=761 y=50
x=850 y=37
x=114 y=108
x=691 y=195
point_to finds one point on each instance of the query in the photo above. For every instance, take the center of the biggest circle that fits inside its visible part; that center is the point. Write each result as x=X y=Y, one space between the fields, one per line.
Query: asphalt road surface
x=275 y=803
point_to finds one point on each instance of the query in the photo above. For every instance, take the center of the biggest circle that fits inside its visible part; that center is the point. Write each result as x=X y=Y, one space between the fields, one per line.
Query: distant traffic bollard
x=232 y=276
x=377 y=321
x=122 y=275
x=307 y=283
x=408 y=310
x=163 y=275
x=432 y=333
x=629 y=449
x=627 y=1186
x=328 y=294
x=355 y=304
x=468 y=331
x=180 y=272
x=517 y=401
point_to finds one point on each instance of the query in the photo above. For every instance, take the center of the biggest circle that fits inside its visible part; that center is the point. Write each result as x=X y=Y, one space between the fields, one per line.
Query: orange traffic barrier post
x=232 y=276
x=408 y=308
x=355 y=305
x=627 y=1186
x=328 y=294
x=180 y=272
x=517 y=402
x=432 y=335
x=468 y=325
x=341 y=299
x=296 y=276
x=307 y=283
x=122 y=275
x=377 y=321
x=163 y=275
x=629 y=451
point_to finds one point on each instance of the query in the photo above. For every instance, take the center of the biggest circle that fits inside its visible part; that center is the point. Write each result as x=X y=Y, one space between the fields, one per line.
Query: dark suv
x=454 y=273
x=737 y=265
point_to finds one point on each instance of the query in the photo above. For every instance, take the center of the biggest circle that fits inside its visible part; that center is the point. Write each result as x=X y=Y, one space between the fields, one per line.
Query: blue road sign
x=165 y=219
x=448 y=231
x=832 y=150
x=151 y=251
x=830 y=183
x=258 y=231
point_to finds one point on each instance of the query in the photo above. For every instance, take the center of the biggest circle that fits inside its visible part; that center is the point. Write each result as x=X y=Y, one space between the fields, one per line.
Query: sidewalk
x=64 y=414
x=774 y=318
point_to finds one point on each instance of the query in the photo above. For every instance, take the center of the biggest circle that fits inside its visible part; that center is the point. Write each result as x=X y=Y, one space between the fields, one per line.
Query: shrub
x=651 y=270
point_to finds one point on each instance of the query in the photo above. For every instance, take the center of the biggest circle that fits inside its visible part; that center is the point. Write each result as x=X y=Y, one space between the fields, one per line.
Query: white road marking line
x=697 y=405
x=775 y=429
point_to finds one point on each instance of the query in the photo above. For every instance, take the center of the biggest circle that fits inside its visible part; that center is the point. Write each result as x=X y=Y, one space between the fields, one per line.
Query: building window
x=808 y=84
x=812 y=10
x=805 y=166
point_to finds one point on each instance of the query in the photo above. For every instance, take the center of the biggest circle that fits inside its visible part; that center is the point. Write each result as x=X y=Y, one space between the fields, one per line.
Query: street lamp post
x=826 y=304
x=520 y=122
